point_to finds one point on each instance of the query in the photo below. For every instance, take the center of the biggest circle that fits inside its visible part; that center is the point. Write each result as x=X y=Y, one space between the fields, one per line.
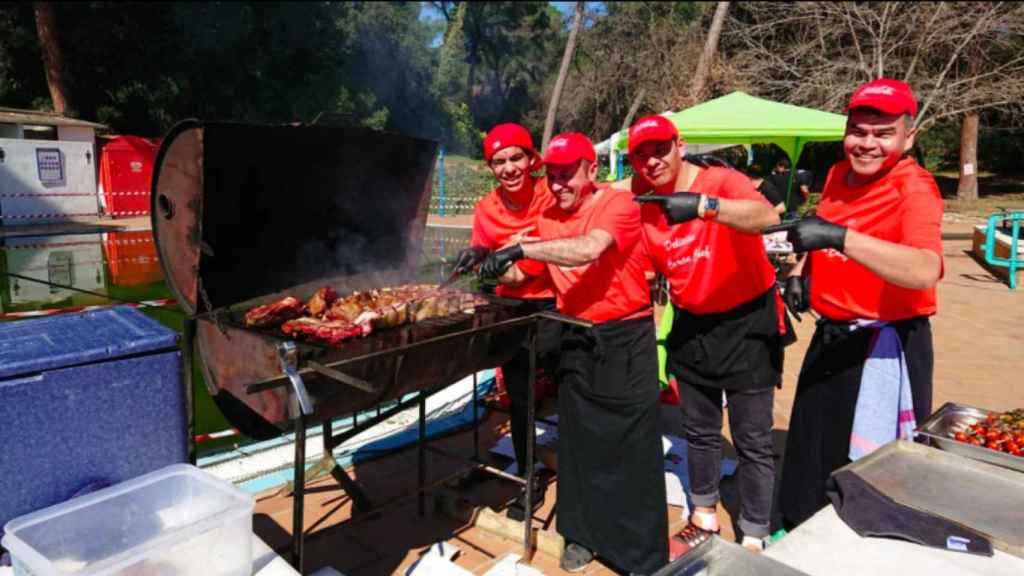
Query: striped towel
x=885 y=405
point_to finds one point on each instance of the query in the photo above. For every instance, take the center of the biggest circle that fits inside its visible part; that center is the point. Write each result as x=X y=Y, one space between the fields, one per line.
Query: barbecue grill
x=244 y=215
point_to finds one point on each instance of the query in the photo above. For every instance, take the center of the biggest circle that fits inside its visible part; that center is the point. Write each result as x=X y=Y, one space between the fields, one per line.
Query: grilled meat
x=320 y=301
x=273 y=313
x=345 y=309
x=332 y=320
x=331 y=332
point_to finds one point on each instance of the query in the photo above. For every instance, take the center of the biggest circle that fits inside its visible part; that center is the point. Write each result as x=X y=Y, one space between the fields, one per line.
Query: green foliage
x=940 y=145
x=140 y=67
x=19 y=54
x=1000 y=150
x=511 y=49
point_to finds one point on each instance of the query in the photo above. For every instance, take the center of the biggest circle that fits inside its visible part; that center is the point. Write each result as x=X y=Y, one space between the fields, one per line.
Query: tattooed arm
x=574 y=251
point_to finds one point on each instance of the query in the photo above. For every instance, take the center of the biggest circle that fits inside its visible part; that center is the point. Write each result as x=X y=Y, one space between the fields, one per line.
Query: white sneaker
x=754 y=544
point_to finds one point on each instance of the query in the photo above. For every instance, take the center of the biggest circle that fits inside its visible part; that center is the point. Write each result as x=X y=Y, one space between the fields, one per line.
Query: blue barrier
x=1013 y=262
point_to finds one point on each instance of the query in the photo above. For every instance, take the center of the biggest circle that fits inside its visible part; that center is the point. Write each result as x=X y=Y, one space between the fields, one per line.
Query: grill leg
x=421 y=503
x=299 y=492
x=530 y=434
x=476 y=423
x=187 y=346
x=359 y=500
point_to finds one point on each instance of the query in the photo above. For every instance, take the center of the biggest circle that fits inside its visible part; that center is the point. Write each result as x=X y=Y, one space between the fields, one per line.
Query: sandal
x=687 y=539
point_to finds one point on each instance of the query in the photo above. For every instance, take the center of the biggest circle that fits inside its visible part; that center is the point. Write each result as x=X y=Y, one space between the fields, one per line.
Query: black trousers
x=739 y=351
x=750 y=421
x=611 y=472
x=826 y=399
x=517 y=374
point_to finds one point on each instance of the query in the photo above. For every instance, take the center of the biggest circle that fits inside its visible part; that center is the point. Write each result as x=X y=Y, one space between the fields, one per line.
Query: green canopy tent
x=739 y=118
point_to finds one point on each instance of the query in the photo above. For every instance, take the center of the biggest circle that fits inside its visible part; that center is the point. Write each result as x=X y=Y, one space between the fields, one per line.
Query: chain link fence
x=459 y=182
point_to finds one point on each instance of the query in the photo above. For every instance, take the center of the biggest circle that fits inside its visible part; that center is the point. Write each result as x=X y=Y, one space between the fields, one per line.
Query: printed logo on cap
x=647 y=124
x=496 y=145
x=883 y=90
x=559 y=143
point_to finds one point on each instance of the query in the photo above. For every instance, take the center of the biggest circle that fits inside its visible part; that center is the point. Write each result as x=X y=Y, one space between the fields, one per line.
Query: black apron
x=818 y=440
x=739 y=349
x=611 y=479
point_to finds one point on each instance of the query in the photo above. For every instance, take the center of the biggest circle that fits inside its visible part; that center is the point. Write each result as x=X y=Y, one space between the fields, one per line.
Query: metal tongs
x=457 y=272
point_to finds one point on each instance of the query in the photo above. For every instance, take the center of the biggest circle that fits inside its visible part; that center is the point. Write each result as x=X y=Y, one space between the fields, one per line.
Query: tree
x=563 y=71
x=638 y=57
x=511 y=48
x=959 y=61
x=53 y=62
x=450 y=84
x=140 y=67
x=967 y=187
x=710 y=47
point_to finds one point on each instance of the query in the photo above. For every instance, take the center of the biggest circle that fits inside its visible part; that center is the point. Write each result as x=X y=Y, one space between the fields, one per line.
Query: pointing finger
x=656 y=199
x=784 y=227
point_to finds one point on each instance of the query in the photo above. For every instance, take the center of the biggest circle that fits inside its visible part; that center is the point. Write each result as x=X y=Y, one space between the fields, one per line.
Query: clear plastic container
x=176 y=521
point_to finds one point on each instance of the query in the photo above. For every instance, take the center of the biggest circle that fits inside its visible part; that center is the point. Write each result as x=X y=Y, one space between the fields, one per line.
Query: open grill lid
x=244 y=212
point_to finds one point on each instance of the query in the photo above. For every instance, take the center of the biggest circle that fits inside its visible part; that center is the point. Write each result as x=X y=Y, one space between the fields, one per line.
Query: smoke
x=373 y=225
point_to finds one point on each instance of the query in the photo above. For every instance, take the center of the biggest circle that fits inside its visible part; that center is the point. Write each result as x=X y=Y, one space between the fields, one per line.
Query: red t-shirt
x=494 y=224
x=904 y=207
x=710 y=267
x=613 y=287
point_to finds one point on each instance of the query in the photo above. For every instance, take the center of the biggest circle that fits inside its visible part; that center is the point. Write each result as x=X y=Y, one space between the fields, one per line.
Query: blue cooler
x=86 y=399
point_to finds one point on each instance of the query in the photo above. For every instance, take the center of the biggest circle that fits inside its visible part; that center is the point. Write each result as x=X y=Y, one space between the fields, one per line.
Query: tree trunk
x=710 y=47
x=53 y=61
x=563 y=71
x=637 y=100
x=968 y=187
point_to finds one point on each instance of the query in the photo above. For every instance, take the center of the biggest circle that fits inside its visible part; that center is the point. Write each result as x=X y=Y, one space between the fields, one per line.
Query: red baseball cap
x=568 y=148
x=505 y=135
x=651 y=128
x=889 y=96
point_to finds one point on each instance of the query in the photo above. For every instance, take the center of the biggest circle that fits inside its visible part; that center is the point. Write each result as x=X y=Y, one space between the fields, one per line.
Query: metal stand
x=187 y=347
x=531 y=432
x=299 y=493
x=303 y=408
x=287 y=356
x=476 y=461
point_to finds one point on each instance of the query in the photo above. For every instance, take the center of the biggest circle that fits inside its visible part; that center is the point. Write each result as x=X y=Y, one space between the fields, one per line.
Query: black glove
x=795 y=296
x=497 y=263
x=469 y=258
x=678 y=208
x=811 y=233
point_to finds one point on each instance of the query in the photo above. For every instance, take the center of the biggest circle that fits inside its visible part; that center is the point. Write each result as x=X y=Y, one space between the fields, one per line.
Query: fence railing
x=459 y=183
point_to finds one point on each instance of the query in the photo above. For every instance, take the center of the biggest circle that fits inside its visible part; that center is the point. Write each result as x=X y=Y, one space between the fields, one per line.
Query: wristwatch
x=710 y=208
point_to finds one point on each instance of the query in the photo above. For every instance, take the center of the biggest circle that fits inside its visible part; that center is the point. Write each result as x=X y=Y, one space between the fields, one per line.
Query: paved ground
x=979 y=336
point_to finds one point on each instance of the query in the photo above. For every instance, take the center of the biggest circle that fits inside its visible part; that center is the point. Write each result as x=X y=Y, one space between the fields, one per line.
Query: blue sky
x=566 y=8
x=428 y=12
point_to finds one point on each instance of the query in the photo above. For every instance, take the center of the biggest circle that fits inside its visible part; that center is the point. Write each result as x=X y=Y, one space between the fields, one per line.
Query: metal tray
x=716 y=557
x=951 y=418
x=986 y=498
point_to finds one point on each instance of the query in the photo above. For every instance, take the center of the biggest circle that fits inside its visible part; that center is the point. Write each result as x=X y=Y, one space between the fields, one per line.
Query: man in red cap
x=508 y=212
x=702 y=228
x=611 y=484
x=875 y=257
